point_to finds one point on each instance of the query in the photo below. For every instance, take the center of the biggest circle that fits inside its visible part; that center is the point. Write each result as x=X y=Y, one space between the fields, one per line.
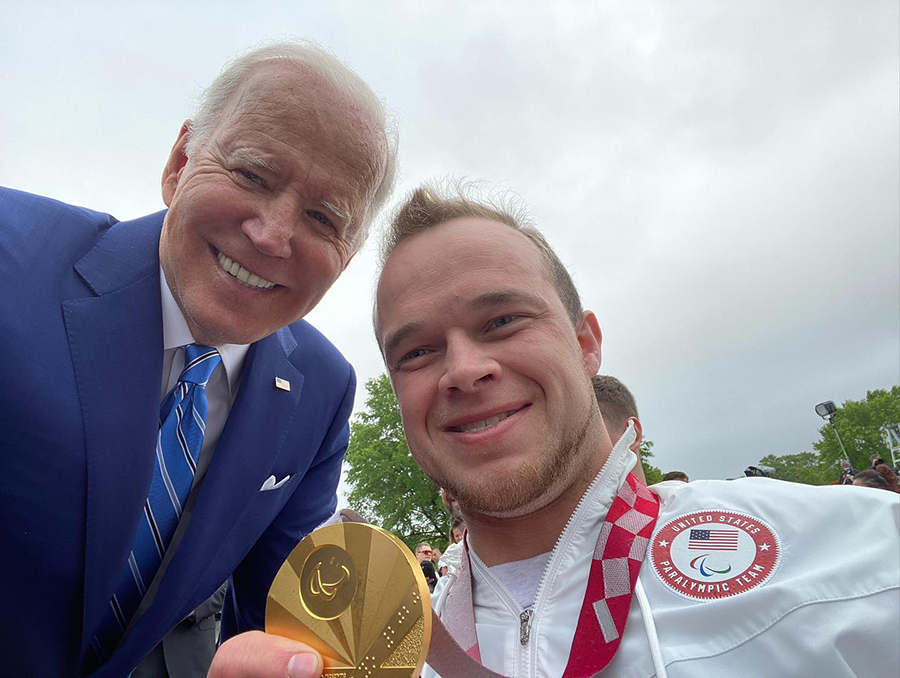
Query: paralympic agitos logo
x=707 y=570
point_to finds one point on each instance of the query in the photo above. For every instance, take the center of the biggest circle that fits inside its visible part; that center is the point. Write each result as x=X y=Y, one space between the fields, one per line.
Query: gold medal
x=356 y=594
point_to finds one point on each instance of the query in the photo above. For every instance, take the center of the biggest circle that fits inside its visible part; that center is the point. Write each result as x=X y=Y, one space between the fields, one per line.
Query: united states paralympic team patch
x=710 y=554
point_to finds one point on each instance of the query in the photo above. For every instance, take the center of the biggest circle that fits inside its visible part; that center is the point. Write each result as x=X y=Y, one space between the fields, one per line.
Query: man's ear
x=175 y=164
x=638 y=434
x=589 y=338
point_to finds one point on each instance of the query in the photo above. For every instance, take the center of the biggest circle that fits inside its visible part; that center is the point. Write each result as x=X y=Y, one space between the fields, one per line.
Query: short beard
x=533 y=486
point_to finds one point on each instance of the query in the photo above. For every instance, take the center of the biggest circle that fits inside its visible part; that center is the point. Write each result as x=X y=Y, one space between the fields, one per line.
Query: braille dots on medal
x=368 y=665
x=389 y=631
x=388 y=634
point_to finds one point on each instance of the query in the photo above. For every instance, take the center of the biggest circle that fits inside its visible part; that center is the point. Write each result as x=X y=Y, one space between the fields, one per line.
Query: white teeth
x=481 y=425
x=249 y=279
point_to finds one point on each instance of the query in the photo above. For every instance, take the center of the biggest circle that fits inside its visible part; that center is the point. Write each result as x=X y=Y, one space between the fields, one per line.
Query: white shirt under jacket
x=831 y=609
x=222 y=387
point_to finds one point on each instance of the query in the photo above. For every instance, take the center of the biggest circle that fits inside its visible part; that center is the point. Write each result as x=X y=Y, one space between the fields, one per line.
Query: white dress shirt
x=223 y=383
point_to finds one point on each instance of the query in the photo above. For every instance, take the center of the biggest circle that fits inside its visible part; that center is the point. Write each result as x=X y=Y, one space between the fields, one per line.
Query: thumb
x=260 y=655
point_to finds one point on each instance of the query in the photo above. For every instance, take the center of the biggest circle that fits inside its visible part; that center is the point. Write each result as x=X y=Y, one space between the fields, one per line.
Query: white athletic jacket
x=826 y=604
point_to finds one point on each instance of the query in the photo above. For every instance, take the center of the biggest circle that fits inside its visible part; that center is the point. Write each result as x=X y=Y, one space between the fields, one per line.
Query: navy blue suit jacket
x=81 y=349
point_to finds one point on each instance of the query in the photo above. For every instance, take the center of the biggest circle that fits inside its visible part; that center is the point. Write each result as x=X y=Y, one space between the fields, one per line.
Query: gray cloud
x=721 y=178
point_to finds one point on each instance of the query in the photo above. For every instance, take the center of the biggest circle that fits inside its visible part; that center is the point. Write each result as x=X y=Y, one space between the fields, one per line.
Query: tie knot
x=199 y=363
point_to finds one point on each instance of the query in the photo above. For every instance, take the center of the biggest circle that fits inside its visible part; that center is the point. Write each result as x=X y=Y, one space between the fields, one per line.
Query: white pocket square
x=270 y=483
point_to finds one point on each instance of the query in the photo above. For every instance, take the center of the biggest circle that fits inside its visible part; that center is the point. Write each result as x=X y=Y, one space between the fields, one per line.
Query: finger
x=259 y=655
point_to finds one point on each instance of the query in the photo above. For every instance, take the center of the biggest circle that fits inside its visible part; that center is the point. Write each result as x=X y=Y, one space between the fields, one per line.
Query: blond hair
x=431 y=205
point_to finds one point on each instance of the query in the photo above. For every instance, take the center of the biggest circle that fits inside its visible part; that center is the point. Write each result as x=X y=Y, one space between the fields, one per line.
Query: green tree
x=388 y=488
x=860 y=423
x=651 y=473
x=804 y=467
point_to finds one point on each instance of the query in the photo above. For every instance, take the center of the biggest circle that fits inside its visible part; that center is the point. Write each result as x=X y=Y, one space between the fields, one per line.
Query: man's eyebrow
x=402 y=333
x=502 y=298
x=338 y=212
x=252 y=159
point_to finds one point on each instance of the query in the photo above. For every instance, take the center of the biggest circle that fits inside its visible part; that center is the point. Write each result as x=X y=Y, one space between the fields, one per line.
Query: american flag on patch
x=713 y=540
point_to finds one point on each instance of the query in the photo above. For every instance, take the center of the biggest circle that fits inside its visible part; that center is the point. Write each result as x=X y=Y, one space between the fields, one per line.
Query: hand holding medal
x=356 y=594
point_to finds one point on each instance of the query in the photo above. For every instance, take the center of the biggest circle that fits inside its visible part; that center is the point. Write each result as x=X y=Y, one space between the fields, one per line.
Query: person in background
x=619 y=409
x=847 y=473
x=457 y=530
x=449 y=562
x=890 y=478
x=870 y=478
x=676 y=475
x=423 y=555
x=423 y=552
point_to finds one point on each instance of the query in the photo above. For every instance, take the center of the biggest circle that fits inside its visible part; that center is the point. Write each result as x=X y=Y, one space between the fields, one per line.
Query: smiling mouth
x=244 y=276
x=483 y=424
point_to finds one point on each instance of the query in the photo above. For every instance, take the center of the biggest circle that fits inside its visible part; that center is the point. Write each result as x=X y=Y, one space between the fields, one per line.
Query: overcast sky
x=721 y=178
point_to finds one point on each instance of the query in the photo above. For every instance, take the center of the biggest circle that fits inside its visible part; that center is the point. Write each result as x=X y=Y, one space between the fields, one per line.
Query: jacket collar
x=560 y=593
x=127 y=252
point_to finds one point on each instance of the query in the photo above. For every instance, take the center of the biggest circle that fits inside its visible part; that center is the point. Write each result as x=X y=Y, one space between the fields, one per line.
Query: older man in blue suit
x=270 y=190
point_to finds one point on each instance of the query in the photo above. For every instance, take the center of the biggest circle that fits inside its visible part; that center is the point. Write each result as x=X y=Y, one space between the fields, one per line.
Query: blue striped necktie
x=182 y=418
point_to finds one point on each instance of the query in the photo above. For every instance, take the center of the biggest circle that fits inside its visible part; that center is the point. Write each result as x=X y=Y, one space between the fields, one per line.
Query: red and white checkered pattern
x=616 y=563
x=617 y=560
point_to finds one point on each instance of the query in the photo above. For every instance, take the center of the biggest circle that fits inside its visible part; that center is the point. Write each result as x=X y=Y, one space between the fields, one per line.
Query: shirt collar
x=176 y=334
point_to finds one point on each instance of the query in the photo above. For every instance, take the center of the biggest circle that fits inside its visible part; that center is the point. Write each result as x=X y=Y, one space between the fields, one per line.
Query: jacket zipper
x=525 y=626
x=525 y=621
x=523 y=659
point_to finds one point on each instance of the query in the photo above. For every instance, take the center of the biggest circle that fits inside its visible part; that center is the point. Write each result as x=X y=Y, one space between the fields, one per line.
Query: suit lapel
x=115 y=339
x=260 y=421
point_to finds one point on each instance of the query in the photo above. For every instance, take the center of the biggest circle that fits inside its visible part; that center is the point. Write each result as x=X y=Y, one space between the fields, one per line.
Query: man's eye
x=250 y=176
x=502 y=320
x=415 y=353
x=321 y=218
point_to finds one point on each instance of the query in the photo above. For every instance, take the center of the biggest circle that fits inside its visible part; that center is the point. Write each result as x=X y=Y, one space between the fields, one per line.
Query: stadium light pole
x=827 y=410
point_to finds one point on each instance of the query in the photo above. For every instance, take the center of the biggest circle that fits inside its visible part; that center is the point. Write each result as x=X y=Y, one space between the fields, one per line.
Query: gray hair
x=214 y=100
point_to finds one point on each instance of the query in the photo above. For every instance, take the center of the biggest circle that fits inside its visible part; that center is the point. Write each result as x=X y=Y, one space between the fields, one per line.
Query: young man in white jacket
x=571 y=565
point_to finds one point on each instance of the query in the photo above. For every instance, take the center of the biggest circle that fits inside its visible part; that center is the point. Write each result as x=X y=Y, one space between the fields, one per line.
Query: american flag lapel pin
x=283 y=384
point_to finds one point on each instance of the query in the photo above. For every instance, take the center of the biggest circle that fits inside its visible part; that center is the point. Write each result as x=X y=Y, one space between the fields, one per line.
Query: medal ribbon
x=615 y=565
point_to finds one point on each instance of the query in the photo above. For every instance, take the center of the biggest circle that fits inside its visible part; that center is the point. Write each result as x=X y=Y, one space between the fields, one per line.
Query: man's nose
x=271 y=230
x=469 y=365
